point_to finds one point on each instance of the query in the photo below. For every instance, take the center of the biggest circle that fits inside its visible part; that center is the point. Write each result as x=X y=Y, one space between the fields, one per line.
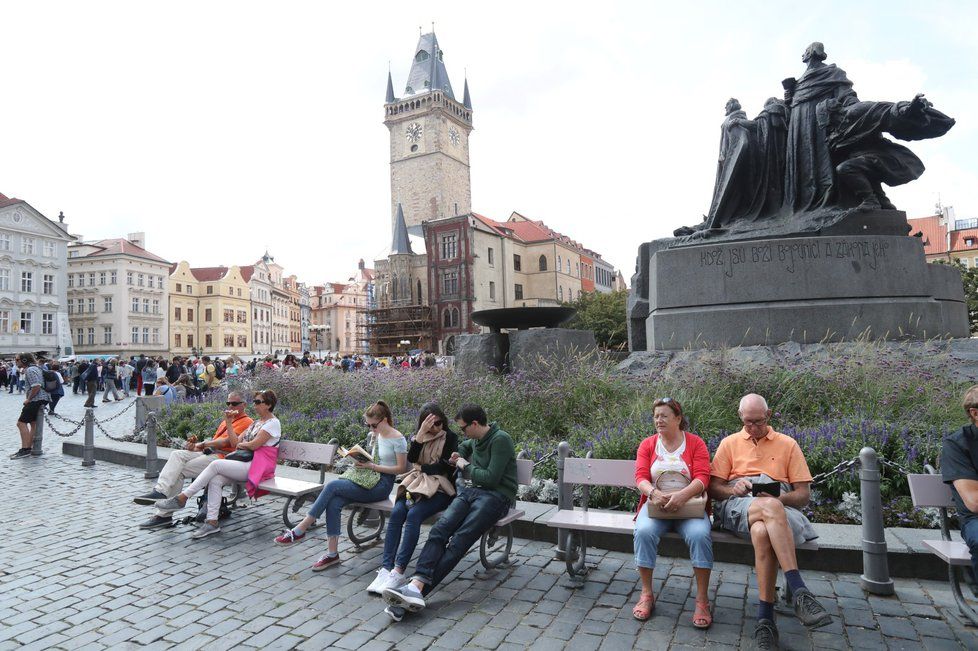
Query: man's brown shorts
x=29 y=413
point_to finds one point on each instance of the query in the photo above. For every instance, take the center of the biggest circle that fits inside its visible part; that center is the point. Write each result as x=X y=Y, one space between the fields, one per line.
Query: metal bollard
x=876 y=572
x=36 y=445
x=88 y=454
x=152 y=466
x=565 y=498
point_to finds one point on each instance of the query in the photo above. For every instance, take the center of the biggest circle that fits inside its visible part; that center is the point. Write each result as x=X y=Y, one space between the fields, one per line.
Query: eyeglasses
x=463 y=427
x=665 y=401
x=372 y=425
x=754 y=423
x=257 y=402
x=234 y=403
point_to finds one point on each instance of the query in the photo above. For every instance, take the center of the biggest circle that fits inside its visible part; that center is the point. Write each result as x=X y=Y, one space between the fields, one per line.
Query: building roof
x=390 y=89
x=247 y=272
x=529 y=231
x=934 y=233
x=8 y=201
x=428 y=68
x=121 y=246
x=400 y=243
x=209 y=274
x=466 y=100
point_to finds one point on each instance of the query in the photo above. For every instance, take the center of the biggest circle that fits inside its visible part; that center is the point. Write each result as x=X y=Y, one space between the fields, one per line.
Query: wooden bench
x=929 y=490
x=615 y=473
x=296 y=491
x=366 y=523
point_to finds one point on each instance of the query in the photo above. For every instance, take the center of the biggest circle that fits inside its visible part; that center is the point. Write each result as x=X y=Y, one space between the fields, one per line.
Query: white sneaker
x=380 y=582
x=394 y=580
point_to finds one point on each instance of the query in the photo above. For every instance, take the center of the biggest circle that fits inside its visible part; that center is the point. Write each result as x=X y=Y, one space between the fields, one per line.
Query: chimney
x=139 y=239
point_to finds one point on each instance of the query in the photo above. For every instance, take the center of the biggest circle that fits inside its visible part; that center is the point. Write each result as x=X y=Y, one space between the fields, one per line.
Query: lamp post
x=329 y=329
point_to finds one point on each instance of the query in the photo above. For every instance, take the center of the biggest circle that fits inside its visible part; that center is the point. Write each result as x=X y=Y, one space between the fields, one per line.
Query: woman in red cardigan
x=672 y=466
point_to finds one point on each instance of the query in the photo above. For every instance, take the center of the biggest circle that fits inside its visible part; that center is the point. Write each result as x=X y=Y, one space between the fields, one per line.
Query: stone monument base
x=799 y=289
x=520 y=350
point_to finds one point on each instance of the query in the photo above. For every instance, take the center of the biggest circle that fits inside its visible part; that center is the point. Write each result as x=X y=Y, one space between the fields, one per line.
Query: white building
x=33 y=260
x=118 y=297
x=259 y=281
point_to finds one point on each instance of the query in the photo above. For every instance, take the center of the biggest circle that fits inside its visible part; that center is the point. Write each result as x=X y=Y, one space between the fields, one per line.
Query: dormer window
x=422 y=55
x=969 y=241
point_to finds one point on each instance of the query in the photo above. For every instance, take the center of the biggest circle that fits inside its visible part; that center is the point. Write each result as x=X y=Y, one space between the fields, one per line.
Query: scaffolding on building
x=385 y=330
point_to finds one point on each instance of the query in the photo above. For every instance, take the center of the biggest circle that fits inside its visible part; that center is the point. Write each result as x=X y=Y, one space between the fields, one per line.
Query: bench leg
x=290 y=511
x=955 y=579
x=494 y=549
x=575 y=556
x=364 y=525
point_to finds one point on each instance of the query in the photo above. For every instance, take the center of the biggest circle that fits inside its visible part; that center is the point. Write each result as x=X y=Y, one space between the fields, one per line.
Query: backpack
x=218 y=370
x=223 y=514
x=51 y=380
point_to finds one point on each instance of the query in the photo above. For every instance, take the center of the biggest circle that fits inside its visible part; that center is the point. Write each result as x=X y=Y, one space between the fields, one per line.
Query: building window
x=129 y=282
x=229 y=341
x=190 y=341
x=492 y=257
x=156 y=335
x=207 y=315
x=450 y=318
x=450 y=283
x=559 y=267
x=209 y=341
x=26 y=281
x=27 y=245
x=4 y=321
x=80 y=337
x=113 y=277
x=230 y=291
x=242 y=316
x=106 y=303
x=4 y=241
x=190 y=290
x=71 y=280
x=135 y=335
x=159 y=282
x=560 y=294
x=156 y=306
x=91 y=336
x=176 y=341
x=135 y=304
x=190 y=317
x=145 y=335
x=567 y=264
x=577 y=269
x=449 y=246
x=47 y=323
x=543 y=263
x=26 y=322
x=210 y=289
x=71 y=306
x=102 y=277
x=5 y=279
x=91 y=305
x=47 y=286
x=106 y=334
x=49 y=249
x=140 y=280
x=176 y=314
x=179 y=287
x=228 y=316
x=518 y=292
x=242 y=341
x=145 y=306
x=492 y=291
x=517 y=263
x=91 y=279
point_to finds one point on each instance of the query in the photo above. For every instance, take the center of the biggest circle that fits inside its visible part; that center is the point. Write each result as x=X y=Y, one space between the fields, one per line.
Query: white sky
x=223 y=128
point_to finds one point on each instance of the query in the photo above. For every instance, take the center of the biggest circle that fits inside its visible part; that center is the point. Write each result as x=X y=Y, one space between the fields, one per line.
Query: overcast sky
x=223 y=128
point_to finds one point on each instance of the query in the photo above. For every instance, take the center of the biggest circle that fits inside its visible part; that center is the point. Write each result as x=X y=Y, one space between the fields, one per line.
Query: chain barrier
x=545 y=458
x=840 y=468
x=116 y=415
x=894 y=466
x=78 y=426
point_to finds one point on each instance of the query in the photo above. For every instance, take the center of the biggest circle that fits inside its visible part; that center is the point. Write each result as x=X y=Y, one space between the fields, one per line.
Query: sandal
x=643 y=609
x=702 y=618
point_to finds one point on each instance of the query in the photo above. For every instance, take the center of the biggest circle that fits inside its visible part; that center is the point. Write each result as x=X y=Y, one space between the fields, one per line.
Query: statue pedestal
x=800 y=289
x=477 y=354
x=520 y=350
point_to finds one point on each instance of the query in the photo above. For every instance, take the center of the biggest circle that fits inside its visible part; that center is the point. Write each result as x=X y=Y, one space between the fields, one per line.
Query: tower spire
x=400 y=242
x=390 y=88
x=466 y=100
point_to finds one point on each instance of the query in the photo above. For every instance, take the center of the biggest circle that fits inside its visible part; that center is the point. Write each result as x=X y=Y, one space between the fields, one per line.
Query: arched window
x=446 y=318
x=543 y=263
x=455 y=319
x=422 y=55
x=394 y=287
x=568 y=265
x=558 y=264
x=560 y=293
x=419 y=292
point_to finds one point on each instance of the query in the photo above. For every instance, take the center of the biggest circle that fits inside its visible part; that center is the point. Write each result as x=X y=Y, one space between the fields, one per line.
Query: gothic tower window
x=543 y=263
x=421 y=56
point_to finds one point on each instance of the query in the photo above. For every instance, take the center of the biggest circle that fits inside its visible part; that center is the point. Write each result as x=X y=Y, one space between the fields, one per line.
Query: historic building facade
x=258 y=277
x=118 y=297
x=339 y=312
x=210 y=311
x=33 y=288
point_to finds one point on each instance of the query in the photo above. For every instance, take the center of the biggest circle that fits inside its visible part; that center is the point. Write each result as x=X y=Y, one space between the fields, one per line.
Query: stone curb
x=839 y=544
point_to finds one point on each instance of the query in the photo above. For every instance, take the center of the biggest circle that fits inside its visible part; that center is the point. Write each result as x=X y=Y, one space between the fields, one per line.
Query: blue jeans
x=340 y=492
x=696 y=533
x=404 y=528
x=473 y=512
x=969 y=531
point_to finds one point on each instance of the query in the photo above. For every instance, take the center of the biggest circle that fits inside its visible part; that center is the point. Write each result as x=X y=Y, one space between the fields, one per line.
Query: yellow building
x=210 y=311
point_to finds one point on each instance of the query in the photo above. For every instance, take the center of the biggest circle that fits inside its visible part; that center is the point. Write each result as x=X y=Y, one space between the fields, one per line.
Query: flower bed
x=833 y=406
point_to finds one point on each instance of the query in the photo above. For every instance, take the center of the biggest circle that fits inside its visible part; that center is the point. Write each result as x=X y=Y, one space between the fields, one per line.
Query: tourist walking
x=59 y=391
x=90 y=380
x=367 y=482
x=110 y=376
x=259 y=446
x=672 y=472
x=426 y=489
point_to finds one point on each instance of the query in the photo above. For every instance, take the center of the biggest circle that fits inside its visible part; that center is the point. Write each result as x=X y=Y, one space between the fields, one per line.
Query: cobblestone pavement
x=75 y=573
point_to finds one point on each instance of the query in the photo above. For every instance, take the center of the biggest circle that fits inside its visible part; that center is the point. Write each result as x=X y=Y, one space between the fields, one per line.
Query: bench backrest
x=599 y=472
x=524 y=471
x=310 y=452
x=929 y=490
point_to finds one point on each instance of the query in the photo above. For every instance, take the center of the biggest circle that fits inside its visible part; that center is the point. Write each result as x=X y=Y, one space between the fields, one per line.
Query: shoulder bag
x=671 y=482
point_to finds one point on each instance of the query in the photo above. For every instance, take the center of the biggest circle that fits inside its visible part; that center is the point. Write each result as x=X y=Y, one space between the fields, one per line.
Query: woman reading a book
x=426 y=489
x=370 y=480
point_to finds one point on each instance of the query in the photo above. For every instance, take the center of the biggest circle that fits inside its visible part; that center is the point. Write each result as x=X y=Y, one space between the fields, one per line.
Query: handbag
x=695 y=507
x=241 y=455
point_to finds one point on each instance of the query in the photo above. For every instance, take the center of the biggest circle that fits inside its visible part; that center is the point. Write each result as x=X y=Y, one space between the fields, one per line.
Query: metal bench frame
x=366 y=523
x=929 y=490
x=588 y=472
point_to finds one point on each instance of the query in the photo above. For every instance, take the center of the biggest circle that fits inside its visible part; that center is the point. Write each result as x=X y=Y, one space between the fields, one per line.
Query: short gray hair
x=239 y=393
x=749 y=398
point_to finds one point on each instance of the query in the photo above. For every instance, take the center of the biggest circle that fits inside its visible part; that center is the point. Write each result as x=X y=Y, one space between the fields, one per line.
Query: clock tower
x=429 y=140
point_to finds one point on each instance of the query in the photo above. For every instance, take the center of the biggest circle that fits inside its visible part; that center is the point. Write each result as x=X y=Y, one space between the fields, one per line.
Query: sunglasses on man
x=234 y=403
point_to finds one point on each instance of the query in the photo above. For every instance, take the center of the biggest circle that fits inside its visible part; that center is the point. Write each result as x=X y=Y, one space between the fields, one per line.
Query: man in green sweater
x=488 y=458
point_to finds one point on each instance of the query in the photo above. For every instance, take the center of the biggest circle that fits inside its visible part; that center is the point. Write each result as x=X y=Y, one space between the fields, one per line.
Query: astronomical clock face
x=454 y=136
x=413 y=132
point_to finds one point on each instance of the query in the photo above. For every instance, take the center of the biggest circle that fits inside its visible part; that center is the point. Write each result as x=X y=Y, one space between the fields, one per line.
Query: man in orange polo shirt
x=189 y=463
x=759 y=455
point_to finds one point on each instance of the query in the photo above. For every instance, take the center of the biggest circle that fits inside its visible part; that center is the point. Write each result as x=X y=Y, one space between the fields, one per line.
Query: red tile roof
x=120 y=246
x=7 y=201
x=935 y=234
x=209 y=274
x=247 y=272
x=959 y=240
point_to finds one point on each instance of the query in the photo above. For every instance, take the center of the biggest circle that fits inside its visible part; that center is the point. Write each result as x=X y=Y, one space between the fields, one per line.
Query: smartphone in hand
x=773 y=489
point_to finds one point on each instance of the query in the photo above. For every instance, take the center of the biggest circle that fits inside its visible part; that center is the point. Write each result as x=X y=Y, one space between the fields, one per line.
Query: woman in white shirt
x=266 y=430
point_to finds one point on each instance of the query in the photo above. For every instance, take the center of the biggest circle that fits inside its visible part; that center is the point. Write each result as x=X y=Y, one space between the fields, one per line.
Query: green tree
x=603 y=314
x=969 y=276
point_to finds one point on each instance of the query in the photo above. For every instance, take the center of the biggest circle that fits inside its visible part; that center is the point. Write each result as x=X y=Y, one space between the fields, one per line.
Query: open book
x=356 y=453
